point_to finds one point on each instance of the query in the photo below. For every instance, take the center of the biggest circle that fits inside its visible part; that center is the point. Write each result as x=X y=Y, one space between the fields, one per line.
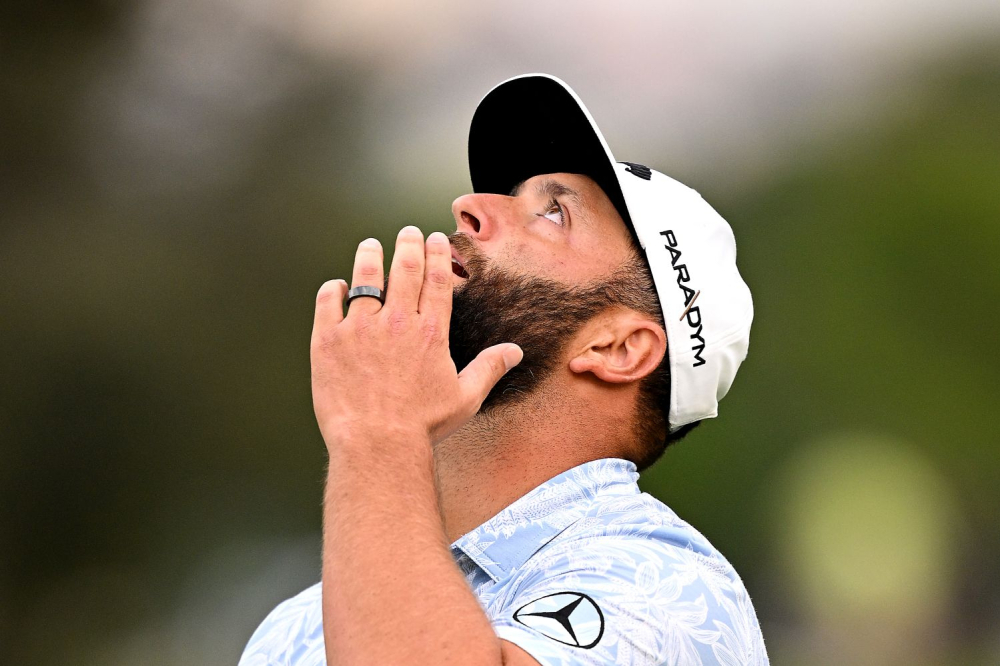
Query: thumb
x=485 y=371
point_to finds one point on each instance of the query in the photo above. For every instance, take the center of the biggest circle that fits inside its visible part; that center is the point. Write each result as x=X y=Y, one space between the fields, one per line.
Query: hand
x=387 y=368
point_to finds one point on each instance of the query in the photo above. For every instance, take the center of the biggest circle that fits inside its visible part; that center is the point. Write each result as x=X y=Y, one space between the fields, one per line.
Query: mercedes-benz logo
x=571 y=618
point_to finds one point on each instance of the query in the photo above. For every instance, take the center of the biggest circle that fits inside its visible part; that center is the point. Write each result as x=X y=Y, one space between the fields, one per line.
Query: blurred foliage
x=877 y=303
x=160 y=471
x=872 y=259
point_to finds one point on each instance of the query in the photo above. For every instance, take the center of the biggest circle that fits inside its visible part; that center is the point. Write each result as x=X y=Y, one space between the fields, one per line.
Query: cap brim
x=535 y=124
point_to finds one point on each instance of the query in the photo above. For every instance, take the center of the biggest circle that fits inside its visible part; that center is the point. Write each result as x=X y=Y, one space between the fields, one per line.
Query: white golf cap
x=535 y=124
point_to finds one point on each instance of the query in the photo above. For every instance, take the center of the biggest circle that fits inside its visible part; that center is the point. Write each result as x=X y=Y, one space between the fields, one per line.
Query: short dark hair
x=636 y=290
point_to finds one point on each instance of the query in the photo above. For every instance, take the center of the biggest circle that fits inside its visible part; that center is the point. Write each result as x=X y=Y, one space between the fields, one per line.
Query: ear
x=621 y=348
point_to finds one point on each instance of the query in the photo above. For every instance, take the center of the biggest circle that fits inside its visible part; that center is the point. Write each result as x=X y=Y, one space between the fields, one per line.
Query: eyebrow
x=551 y=189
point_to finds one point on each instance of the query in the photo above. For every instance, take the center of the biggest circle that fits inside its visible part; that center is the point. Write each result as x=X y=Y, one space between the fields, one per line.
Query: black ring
x=358 y=292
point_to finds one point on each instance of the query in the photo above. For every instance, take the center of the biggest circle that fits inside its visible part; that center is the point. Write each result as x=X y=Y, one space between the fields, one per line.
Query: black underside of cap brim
x=530 y=126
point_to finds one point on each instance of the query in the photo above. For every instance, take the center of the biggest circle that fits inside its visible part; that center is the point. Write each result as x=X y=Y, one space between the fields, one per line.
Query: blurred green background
x=178 y=177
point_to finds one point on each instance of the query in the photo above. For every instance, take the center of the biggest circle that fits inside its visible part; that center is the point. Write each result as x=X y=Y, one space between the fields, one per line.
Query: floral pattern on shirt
x=664 y=594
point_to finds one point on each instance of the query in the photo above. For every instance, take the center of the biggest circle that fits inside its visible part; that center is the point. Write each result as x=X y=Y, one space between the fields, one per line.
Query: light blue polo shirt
x=584 y=569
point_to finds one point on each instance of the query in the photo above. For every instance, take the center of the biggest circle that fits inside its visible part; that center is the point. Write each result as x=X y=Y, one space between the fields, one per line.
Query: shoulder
x=639 y=523
x=638 y=543
x=290 y=633
x=658 y=588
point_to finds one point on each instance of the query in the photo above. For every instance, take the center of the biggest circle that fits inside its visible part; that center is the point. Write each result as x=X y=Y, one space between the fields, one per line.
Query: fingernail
x=512 y=356
x=371 y=242
x=437 y=237
x=410 y=230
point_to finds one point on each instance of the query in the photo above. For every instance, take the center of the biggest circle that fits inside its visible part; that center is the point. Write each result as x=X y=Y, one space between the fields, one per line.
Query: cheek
x=600 y=256
x=533 y=259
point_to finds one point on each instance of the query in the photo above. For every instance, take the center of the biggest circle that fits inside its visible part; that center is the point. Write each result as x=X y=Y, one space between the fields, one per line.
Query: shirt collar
x=507 y=540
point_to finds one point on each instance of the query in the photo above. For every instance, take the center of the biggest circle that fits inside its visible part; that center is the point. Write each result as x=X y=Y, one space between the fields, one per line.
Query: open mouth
x=456 y=265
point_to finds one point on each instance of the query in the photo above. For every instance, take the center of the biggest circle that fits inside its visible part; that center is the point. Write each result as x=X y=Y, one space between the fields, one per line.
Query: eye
x=554 y=212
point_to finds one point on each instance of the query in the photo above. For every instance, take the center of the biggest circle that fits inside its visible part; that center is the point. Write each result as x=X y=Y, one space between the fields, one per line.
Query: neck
x=492 y=461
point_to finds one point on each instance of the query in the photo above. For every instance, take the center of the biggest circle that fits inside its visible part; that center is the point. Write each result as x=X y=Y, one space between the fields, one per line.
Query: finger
x=407 y=271
x=482 y=374
x=436 y=293
x=367 y=273
x=329 y=307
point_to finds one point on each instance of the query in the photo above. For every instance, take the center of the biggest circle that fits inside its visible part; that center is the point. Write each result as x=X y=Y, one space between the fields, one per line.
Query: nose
x=482 y=216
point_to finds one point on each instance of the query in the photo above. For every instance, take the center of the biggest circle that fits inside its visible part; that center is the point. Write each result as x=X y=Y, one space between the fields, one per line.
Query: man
x=595 y=312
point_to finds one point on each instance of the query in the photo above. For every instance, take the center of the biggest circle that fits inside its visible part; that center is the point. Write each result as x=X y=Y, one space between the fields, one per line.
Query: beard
x=495 y=305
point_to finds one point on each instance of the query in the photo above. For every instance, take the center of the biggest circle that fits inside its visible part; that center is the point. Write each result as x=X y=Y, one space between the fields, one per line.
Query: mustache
x=473 y=260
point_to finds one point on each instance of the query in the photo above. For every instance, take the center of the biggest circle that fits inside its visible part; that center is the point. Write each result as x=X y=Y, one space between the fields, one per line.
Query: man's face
x=532 y=268
x=558 y=226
